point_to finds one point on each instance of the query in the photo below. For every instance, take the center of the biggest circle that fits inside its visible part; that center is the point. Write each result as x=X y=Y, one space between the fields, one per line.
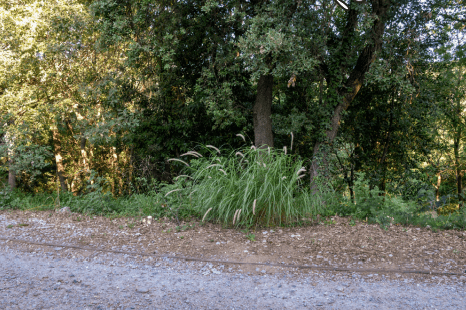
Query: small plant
x=181 y=237
x=448 y=209
x=211 y=240
x=9 y=226
x=352 y=223
x=78 y=219
x=183 y=228
x=251 y=237
x=22 y=224
x=131 y=226
x=120 y=227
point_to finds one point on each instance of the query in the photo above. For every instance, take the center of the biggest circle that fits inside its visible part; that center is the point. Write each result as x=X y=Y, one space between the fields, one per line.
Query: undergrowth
x=245 y=188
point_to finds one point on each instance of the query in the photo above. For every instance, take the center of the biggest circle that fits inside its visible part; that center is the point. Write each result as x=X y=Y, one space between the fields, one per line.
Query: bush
x=448 y=209
x=249 y=187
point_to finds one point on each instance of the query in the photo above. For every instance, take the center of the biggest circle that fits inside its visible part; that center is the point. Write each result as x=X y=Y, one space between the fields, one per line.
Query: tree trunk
x=58 y=160
x=437 y=188
x=11 y=171
x=352 y=184
x=354 y=82
x=457 y=143
x=458 y=174
x=262 y=112
x=85 y=160
x=11 y=174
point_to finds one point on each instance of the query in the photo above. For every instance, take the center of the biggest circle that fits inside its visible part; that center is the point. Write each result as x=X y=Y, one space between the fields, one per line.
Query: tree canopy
x=115 y=88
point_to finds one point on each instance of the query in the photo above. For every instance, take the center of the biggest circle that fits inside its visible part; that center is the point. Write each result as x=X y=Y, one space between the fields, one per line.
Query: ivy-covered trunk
x=262 y=111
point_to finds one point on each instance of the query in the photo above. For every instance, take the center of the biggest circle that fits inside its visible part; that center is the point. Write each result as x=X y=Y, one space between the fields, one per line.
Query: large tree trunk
x=263 y=135
x=353 y=84
x=59 y=159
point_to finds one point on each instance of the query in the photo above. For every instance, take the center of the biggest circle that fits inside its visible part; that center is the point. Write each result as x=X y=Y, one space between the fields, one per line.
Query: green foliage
x=448 y=209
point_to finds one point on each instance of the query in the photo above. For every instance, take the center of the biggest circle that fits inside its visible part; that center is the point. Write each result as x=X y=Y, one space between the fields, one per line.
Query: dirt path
x=96 y=264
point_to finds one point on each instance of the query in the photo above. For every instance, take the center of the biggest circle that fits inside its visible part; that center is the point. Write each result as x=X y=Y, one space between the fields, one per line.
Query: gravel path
x=43 y=279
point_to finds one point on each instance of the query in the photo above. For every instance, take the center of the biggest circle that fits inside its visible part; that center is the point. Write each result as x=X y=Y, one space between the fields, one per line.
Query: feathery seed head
x=214 y=148
x=254 y=207
x=234 y=217
x=301 y=170
x=179 y=160
x=183 y=175
x=193 y=153
x=242 y=137
x=222 y=171
x=175 y=190
x=206 y=214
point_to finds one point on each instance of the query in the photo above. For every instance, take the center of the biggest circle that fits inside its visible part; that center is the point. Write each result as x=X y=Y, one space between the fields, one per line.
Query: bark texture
x=262 y=112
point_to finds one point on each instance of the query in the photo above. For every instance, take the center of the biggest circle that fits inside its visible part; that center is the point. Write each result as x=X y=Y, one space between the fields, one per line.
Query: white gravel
x=58 y=278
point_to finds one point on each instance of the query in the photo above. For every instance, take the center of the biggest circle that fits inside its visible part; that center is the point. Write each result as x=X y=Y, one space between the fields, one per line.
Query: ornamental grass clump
x=251 y=187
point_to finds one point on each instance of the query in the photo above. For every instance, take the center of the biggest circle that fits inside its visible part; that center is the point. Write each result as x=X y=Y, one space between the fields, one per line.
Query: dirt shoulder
x=336 y=242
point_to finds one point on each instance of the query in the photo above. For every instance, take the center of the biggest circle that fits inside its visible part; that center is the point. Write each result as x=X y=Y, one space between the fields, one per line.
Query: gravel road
x=45 y=279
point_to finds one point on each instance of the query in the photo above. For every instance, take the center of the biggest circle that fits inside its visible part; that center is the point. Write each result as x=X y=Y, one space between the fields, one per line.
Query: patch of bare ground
x=334 y=242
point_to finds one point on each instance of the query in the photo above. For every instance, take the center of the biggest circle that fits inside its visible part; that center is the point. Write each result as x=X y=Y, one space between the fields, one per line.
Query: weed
x=131 y=226
x=181 y=237
x=23 y=224
x=183 y=228
x=251 y=237
x=120 y=227
x=9 y=226
x=78 y=219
